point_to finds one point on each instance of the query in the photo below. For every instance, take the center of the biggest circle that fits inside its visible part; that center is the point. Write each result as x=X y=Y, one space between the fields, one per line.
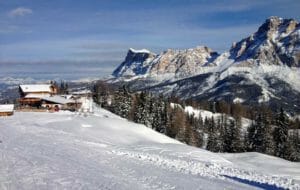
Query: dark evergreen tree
x=122 y=102
x=281 y=134
x=292 y=151
x=220 y=134
x=142 y=110
x=102 y=94
x=172 y=128
x=233 y=137
x=256 y=135
x=212 y=136
x=268 y=142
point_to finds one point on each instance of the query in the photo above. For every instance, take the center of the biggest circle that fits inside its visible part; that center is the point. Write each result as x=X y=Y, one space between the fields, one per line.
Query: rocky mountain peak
x=183 y=62
x=140 y=51
x=180 y=63
x=276 y=42
x=259 y=69
x=137 y=62
x=271 y=24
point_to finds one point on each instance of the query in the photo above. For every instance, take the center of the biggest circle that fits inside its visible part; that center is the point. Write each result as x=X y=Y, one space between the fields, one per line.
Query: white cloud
x=20 y=12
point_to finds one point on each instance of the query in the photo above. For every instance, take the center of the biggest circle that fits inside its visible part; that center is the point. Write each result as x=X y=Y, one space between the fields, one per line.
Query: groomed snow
x=67 y=150
x=264 y=163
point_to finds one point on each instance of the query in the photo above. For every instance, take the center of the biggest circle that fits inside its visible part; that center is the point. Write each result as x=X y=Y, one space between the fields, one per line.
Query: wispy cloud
x=103 y=30
x=8 y=29
x=20 y=12
x=11 y=29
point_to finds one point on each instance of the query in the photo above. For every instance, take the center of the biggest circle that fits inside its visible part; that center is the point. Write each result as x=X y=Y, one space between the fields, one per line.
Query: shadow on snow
x=254 y=183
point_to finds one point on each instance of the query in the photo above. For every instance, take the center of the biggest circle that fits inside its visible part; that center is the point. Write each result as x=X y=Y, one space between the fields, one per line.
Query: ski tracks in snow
x=70 y=151
x=196 y=168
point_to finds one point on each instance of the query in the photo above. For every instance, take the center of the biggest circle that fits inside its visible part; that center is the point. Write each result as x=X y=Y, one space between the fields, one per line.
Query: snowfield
x=103 y=151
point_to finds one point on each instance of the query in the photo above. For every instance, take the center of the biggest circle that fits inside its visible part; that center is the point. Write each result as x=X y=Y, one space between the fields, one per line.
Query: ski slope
x=100 y=150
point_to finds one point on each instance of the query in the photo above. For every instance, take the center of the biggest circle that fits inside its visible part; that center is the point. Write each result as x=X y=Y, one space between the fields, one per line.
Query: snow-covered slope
x=264 y=163
x=102 y=151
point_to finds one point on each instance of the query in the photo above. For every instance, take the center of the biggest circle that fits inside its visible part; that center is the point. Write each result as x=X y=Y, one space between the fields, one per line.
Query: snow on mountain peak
x=179 y=63
x=139 y=51
x=276 y=42
x=137 y=62
x=263 y=62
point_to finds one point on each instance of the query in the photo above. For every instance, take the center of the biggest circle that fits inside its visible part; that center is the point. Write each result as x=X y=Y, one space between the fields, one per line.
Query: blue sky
x=101 y=31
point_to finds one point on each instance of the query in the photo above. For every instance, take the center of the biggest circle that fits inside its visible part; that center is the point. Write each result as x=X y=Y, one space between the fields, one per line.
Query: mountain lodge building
x=31 y=95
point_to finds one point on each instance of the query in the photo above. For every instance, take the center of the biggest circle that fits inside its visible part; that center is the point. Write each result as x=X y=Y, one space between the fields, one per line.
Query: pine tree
x=256 y=135
x=238 y=142
x=122 y=103
x=227 y=137
x=212 y=136
x=281 y=134
x=174 y=123
x=164 y=117
x=292 y=151
x=220 y=134
x=101 y=94
x=268 y=142
x=141 y=113
x=194 y=135
x=234 y=133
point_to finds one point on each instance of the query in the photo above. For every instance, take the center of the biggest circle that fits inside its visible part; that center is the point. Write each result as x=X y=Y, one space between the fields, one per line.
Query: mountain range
x=263 y=68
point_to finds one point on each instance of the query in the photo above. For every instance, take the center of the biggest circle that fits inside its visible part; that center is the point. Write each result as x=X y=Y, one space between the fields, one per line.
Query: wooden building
x=59 y=102
x=31 y=95
x=6 y=109
x=38 y=89
x=44 y=96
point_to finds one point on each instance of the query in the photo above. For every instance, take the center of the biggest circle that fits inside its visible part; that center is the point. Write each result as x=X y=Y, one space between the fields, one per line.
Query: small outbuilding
x=58 y=102
x=6 y=109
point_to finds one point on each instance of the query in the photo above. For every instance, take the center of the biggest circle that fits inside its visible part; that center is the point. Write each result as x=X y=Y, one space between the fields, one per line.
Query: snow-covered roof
x=58 y=99
x=32 y=95
x=36 y=88
x=55 y=98
x=6 y=107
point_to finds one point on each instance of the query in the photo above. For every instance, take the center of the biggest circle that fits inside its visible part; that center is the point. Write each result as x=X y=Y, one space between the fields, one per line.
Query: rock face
x=178 y=63
x=137 y=62
x=276 y=42
x=183 y=62
x=263 y=68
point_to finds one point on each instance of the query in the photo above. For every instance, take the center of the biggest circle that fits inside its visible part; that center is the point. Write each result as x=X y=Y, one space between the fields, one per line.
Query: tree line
x=268 y=132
